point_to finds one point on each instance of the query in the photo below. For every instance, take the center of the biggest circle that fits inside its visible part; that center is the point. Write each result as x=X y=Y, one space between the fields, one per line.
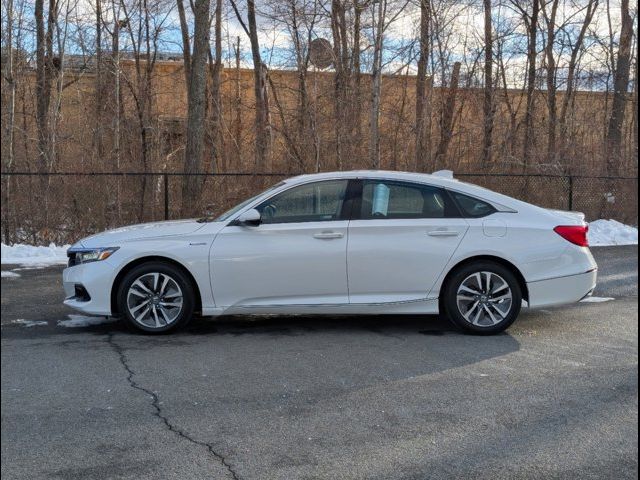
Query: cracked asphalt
x=387 y=397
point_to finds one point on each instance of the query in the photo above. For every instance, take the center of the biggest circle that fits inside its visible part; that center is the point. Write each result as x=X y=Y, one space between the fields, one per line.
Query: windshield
x=240 y=206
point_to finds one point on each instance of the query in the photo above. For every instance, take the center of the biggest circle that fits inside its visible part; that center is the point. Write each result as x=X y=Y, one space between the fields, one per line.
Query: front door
x=296 y=256
x=400 y=240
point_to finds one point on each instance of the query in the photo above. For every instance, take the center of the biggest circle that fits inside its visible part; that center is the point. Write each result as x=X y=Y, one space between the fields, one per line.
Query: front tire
x=482 y=298
x=156 y=297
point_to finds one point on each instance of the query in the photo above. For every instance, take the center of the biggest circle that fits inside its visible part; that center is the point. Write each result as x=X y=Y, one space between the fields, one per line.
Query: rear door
x=401 y=237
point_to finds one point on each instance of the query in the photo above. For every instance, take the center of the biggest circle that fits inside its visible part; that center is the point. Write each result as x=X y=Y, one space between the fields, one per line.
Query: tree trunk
x=531 y=83
x=218 y=154
x=98 y=85
x=262 y=124
x=446 y=122
x=196 y=107
x=44 y=72
x=422 y=150
x=571 y=68
x=186 y=43
x=237 y=124
x=620 y=87
x=341 y=99
x=376 y=86
x=488 y=108
x=8 y=144
x=551 y=80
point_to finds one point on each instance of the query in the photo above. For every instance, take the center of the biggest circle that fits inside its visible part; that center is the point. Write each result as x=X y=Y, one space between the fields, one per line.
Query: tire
x=156 y=297
x=476 y=309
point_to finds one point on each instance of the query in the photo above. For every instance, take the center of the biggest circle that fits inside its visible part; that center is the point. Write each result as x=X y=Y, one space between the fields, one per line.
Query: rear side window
x=472 y=207
x=396 y=200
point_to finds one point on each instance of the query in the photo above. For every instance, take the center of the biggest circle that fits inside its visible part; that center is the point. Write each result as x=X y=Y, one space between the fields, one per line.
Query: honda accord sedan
x=364 y=242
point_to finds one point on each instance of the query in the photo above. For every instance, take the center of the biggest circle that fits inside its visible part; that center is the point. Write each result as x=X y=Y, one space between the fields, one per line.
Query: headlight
x=87 y=255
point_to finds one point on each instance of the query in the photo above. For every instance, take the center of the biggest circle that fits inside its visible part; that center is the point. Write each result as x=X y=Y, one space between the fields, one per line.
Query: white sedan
x=367 y=242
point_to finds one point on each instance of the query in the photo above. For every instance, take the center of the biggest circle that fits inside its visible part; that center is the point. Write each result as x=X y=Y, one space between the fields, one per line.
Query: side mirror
x=250 y=218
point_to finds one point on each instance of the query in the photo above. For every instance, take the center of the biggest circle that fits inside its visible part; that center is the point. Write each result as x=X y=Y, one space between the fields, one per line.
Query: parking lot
x=389 y=397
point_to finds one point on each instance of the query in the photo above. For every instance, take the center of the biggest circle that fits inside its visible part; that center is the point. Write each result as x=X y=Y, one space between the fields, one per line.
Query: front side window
x=313 y=202
x=232 y=211
x=396 y=200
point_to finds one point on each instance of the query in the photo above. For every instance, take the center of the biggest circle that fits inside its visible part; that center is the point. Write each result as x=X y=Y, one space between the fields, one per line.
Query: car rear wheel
x=156 y=297
x=483 y=298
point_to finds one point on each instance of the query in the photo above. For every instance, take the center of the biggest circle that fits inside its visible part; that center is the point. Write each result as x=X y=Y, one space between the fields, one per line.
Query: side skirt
x=424 y=307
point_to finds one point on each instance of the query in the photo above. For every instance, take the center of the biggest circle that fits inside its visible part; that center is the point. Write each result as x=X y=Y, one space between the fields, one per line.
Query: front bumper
x=563 y=290
x=96 y=278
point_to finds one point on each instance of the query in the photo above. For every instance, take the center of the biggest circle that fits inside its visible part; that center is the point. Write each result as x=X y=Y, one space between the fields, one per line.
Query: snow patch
x=8 y=274
x=611 y=232
x=76 y=321
x=32 y=256
x=596 y=299
x=30 y=323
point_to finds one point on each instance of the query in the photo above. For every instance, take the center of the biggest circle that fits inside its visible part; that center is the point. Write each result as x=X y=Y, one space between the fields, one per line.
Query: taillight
x=576 y=234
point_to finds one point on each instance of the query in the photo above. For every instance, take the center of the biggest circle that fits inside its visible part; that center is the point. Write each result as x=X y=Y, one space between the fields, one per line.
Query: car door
x=295 y=256
x=401 y=237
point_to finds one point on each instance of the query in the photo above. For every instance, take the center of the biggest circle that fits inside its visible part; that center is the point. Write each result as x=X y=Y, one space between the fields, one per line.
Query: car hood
x=112 y=238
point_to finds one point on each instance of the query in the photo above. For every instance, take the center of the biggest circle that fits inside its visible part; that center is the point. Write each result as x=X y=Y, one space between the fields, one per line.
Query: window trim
x=341 y=215
x=356 y=211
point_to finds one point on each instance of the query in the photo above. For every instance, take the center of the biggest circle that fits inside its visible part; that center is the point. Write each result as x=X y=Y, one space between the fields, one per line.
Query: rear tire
x=156 y=297
x=482 y=298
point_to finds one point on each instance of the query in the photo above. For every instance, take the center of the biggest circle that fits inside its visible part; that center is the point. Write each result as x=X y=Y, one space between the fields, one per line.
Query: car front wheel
x=156 y=297
x=483 y=298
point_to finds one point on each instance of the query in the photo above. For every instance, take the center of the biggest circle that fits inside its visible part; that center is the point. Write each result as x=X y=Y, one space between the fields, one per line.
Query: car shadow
x=342 y=351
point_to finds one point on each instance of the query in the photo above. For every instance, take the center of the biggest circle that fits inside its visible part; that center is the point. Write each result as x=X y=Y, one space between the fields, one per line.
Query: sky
x=459 y=25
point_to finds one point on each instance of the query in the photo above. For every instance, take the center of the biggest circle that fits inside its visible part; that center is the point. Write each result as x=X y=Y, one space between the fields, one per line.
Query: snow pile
x=596 y=299
x=76 y=321
x=30 y=323
x=8 y=274
x=22 y=254
x=611 y=232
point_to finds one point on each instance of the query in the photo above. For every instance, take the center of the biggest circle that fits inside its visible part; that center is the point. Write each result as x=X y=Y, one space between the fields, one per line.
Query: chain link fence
x=63 y=207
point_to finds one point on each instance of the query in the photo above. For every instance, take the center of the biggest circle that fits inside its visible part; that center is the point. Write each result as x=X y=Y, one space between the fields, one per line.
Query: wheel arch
x=492 y=258
x=153 y=258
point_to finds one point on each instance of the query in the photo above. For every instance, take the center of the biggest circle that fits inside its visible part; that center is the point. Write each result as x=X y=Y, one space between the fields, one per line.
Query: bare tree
x=531 y=22
x=422 y=147
x=44 y=73
x=576 y=48
x=217 y=118
x=262 y=121
x=380 y=11
x=550 y=21
x=488 y=106
x=342 y=75
x=446 y=119
x=186 y=41
x=196 y=99
x=620 y=90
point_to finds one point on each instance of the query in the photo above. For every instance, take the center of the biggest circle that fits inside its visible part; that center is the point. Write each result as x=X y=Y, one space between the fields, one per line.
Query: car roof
x=387 y=174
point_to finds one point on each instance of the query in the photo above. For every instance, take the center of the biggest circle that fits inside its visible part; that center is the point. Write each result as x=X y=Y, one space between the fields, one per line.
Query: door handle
x=443 y=233
x=328 y=235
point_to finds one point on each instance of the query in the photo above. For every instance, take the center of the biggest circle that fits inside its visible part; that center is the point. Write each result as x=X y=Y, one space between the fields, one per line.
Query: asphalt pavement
x=377 y=397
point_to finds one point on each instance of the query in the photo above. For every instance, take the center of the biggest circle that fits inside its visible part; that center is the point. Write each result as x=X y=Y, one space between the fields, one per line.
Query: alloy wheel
x=484 y=299
x=154 y=300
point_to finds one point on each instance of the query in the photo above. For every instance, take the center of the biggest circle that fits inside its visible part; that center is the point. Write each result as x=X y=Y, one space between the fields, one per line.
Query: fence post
x=166 y=196
x=570 y=192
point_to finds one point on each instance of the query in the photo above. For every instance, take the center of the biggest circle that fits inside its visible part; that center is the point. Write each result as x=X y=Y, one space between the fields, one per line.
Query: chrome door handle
x=443 y=233
x=328 y=235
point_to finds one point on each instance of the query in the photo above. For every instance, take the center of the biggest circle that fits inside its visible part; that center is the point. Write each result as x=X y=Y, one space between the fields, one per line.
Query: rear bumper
x=563 y=290
x=96 y=279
